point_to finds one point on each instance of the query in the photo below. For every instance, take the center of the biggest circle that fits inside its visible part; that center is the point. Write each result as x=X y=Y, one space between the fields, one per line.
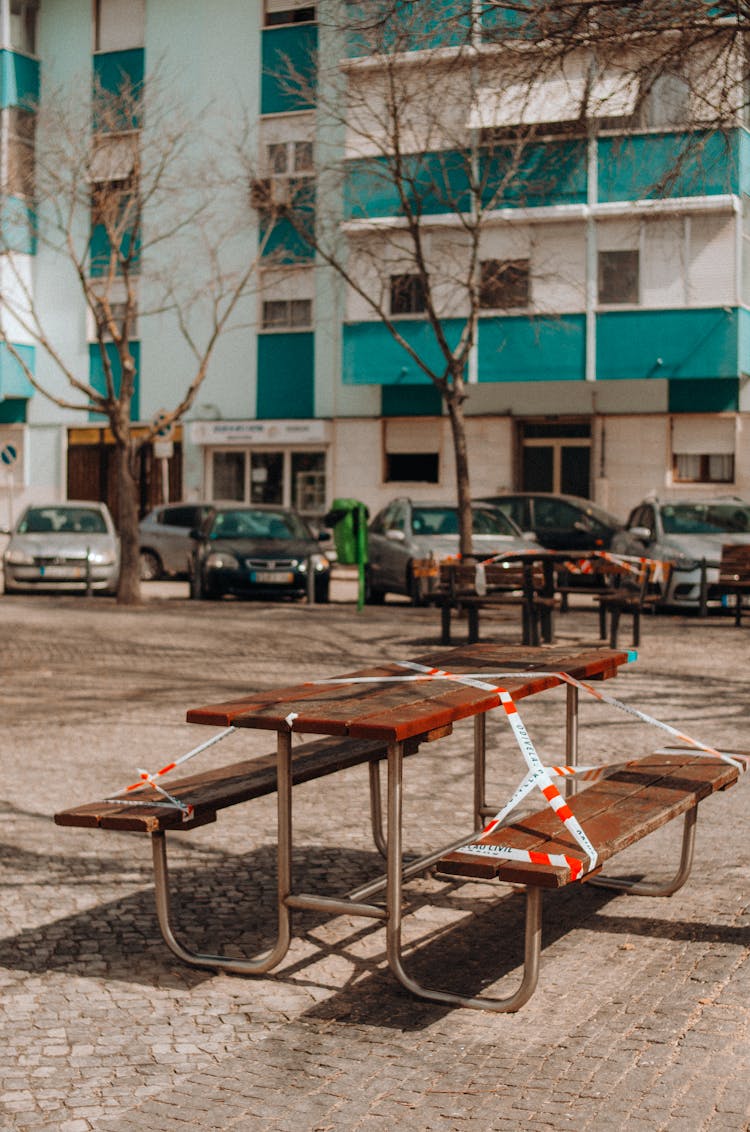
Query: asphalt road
x=640 y=1020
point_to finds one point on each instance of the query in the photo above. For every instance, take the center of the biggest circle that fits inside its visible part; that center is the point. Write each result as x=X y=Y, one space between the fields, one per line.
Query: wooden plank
x=393 y=711
x=615 y=813
x=214 y=790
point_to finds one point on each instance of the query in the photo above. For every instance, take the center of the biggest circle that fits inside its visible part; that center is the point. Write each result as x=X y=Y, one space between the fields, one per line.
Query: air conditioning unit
x=271 y=194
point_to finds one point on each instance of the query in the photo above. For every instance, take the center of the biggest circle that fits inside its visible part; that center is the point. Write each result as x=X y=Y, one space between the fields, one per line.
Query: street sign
x=8 y=455
x=163 y=449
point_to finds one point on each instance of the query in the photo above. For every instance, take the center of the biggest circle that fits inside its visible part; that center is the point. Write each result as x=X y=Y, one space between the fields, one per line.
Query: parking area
x=642 y=1006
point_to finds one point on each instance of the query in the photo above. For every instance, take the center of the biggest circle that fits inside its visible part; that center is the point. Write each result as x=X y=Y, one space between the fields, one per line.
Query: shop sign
x=259 y=432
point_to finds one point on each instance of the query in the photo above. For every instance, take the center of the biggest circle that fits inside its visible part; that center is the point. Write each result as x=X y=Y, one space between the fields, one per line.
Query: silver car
x=164 y=539
x=406 y=531
x=689 y=533
x=63 y=546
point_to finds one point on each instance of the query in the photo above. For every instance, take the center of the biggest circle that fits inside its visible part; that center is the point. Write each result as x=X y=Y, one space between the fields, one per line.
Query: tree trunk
x=454 y=404
x=129 y=586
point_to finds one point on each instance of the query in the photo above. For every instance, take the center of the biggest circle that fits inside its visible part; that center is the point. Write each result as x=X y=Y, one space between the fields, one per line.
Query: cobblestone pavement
x=640 y=1020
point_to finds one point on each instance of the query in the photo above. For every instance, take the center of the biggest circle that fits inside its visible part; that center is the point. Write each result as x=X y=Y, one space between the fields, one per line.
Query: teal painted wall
x=113 y=69
x=668 y=165
x=293 y=43
x=407 y=26
x=432 y=182
x=438 y=182
x=691 y=344
x=371 y=356
x=13 y=381
x=97 y=379
x=13 y=411
x=721 y=395
x=286 y=376
x=19 y=79
x=532 y=349
x=543 y=174
x=411 y=401
x=509 y=349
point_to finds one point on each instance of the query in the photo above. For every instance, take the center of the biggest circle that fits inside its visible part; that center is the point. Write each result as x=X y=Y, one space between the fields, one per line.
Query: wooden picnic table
x=384 y=713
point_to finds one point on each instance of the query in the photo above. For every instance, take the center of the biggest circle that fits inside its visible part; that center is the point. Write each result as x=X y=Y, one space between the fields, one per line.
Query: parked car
x=63 y=546
x=685 y=532
x=406 y=530
x=165 y=542
x=261 y=551
x=560 y=522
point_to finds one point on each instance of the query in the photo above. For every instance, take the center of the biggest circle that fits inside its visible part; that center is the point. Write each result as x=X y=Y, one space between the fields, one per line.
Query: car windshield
x=705 y=518
x=64 y=520
x=444 y=521
x=249 y=523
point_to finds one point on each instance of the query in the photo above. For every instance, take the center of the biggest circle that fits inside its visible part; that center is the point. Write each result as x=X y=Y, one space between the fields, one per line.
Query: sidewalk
x=641 y=1020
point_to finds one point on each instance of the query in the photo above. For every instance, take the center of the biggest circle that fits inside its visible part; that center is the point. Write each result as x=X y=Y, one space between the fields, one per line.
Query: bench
x=634 y=589
x=217 y=789
x=615 y=812
x=471 y=587
x=734 y=576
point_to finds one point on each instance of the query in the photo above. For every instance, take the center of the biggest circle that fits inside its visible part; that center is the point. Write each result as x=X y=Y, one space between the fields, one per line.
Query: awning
x=611 y=95
x=113 y=157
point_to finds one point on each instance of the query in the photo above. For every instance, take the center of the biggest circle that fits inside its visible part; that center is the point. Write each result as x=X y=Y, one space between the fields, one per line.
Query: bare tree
x=432 y=132
x=143 y=220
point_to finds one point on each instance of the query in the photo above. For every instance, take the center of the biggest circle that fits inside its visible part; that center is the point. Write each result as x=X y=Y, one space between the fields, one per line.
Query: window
x=412 y=467
x=504 y=283
x=667 y=102
x=287 y=314
x=309 y=482
x=693 y=467
x=284 y=158
x=23 y=15
x=703 y=449
x=408 y=294
x=288 y=12
x=118 y=24
x=618 y=277
x=19 y=127
x=117 y=311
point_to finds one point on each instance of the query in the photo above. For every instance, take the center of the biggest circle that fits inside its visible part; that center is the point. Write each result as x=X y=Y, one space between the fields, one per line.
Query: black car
x=560 y=522
x=258 y=551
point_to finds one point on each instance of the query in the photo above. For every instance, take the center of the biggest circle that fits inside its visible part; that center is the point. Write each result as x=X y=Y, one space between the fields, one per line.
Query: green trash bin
x=348 y=518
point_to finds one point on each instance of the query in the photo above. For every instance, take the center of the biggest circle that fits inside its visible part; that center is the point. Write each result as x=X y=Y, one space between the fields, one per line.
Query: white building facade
x=613 y=340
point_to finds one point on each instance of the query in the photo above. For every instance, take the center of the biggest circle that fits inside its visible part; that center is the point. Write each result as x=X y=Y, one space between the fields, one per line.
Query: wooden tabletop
x=394 y=710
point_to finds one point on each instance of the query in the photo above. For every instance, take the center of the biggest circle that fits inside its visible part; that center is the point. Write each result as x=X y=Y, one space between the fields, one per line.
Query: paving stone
x=642 y=1008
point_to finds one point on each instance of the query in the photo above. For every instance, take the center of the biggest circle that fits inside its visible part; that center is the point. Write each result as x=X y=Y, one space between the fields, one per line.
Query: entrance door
x=556 y=457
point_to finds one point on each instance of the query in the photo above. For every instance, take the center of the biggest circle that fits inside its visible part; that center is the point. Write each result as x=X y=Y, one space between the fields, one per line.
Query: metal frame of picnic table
x=384 y=705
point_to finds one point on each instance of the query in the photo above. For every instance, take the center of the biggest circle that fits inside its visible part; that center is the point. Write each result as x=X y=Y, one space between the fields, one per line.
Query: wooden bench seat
x=734 y=577
x=615 y=813
x=215 y=790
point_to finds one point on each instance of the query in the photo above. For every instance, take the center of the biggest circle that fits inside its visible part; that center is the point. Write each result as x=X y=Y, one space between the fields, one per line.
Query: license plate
x=280 y=577
x=66 y=573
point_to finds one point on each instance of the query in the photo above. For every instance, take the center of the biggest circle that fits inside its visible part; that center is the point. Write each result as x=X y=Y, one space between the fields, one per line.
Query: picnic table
x=387 y=712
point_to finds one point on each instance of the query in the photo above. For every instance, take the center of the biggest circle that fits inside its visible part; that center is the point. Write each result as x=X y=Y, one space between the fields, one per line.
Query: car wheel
x=322 y=590
x=151 y=567
x=373 y=596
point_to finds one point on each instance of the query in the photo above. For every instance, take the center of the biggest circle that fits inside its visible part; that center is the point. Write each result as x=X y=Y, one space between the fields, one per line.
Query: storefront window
x=229 y=475
x=309 y=482
x=267 y=477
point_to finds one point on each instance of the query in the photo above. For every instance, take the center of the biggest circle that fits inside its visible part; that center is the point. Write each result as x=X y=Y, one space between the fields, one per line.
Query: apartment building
x=612 y=342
